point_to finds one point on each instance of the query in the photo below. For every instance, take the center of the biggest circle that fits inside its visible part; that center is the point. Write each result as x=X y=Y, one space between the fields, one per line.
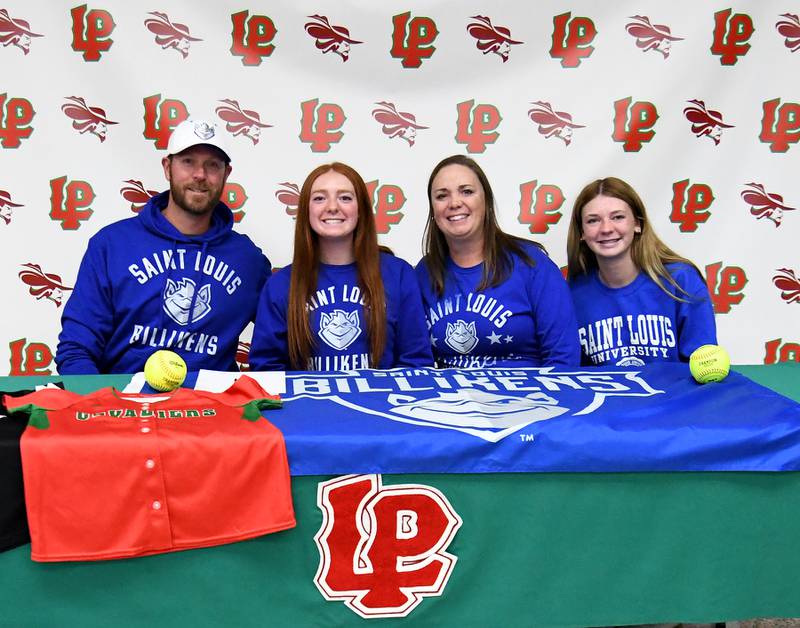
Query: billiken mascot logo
x=86 y=119
x=495 y=39
x=169 y=34
x=43 y=285
x=383 y=548
x=15 y=32
x=330 y=38
x=655 y=37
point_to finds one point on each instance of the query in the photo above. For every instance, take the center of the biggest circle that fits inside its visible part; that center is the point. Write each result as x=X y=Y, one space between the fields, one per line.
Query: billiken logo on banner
x=91 y=32
x=383 y=548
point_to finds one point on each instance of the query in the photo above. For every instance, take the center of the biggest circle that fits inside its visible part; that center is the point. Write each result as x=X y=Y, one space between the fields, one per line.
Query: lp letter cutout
x=382 y=549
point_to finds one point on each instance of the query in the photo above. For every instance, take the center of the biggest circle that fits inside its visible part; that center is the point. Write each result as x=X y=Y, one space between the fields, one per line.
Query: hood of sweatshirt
x=154 y=221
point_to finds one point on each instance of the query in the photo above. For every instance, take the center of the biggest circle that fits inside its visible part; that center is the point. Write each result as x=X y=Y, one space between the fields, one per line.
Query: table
x=548 y=549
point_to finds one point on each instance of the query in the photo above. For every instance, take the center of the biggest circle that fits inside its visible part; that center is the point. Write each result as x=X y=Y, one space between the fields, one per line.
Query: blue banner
x=656 y=418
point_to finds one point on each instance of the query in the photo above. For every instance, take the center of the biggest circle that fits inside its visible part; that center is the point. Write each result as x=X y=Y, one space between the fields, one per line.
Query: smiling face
x=459 y=204
x=608 y=227
x=332 y=207
x=196 y=177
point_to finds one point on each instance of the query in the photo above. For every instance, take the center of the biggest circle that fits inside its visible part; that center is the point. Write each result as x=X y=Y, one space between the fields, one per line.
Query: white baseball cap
x=194 y=131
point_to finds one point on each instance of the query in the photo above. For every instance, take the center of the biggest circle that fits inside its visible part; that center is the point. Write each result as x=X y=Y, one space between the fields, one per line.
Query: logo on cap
x=203 y=130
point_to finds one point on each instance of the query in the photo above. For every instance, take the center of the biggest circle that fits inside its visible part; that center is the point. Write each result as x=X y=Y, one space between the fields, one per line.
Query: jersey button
x=149 y=463
x=145 y=430
x=156 y=505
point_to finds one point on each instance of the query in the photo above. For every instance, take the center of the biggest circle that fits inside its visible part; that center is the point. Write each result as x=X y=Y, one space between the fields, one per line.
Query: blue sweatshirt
x=137 y=284
x=336 y=317
x=640 y=323
x=527 y=320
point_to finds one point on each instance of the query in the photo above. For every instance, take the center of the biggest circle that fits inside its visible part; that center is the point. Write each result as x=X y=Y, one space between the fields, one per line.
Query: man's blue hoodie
x=143 y=286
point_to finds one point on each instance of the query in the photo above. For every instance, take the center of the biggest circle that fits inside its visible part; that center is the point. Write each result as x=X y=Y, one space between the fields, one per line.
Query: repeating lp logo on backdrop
x=575 y=43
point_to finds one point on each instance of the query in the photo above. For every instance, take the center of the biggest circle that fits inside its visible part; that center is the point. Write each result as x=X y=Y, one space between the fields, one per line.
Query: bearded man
x=174 y=277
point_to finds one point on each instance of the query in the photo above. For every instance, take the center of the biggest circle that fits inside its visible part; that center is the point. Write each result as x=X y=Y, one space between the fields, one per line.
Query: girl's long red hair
x=305 y=271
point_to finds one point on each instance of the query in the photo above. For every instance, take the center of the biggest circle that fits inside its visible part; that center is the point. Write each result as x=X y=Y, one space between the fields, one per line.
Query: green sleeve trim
x=37 y=416
x=251 y=411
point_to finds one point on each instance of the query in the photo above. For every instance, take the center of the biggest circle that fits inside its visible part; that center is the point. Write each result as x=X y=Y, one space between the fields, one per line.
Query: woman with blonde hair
x=491 y=299
x=637 y=301
x=343 y=303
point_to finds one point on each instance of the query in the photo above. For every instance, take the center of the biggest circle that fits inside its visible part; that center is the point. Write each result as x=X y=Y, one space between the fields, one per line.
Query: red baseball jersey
x=116 y=475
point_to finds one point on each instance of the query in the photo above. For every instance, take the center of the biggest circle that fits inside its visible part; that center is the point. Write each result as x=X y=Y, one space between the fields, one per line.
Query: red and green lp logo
x=383 y=548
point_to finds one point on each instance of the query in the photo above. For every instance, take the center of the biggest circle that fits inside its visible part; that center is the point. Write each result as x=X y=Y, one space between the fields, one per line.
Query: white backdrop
x=77 y=132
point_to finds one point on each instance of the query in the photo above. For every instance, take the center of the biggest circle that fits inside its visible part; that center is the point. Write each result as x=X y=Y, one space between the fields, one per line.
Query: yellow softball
x=709 y=363
x=165 y=370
